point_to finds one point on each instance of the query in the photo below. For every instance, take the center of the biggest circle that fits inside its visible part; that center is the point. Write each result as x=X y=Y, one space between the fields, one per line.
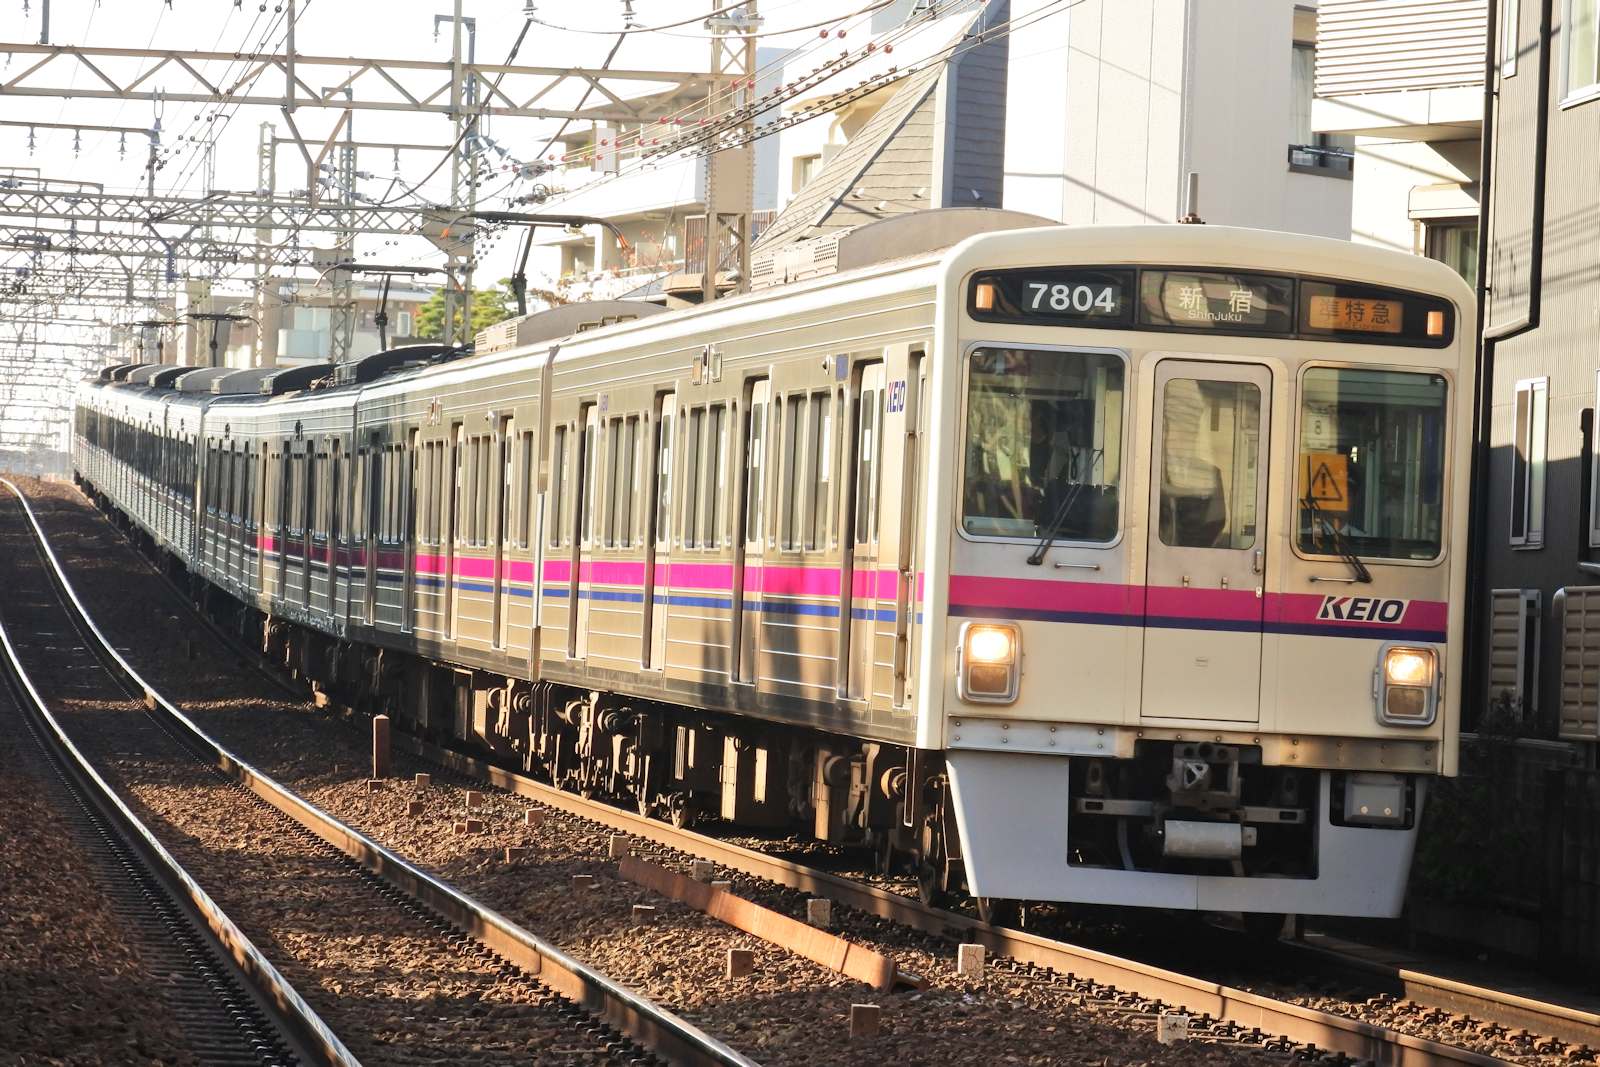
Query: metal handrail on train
x=663 y=1032
x=305 y=1027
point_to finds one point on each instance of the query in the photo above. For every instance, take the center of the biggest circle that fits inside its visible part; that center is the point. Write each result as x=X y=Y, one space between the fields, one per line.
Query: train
x=1093 y=565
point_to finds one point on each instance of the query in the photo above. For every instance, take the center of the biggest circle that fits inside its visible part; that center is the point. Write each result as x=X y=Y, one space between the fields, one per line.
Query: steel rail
x=664 y=1033
x=296 y=1019
x=1560 y=1021
x=1335 y=1033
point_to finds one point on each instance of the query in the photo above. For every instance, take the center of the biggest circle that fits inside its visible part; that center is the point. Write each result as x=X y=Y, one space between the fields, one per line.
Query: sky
x=567 y=32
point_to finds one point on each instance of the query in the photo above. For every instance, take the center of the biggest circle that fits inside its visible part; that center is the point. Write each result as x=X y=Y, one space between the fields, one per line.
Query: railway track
x=230 y=1005
x=1227 y=1014
x=330 y=903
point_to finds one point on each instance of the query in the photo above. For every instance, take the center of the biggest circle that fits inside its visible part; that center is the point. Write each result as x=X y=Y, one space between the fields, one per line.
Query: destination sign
x=1355 y=314
x=1209 y=300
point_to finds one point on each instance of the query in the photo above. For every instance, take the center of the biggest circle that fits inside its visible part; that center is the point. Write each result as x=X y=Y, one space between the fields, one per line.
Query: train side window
x=821 y=461
x=358 y=511
x=717 y=477
x=485 y=478
x=663 y=515
x=793 y=487
x=523 y=482
x=558 y=486
x=613 y=518
x=630 y=462
x=868 y=451
x=755 y=464
x=589 y=461
x=693 y=447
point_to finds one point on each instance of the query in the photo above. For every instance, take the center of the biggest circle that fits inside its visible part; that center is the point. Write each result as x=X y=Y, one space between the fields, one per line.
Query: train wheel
x=930 y=883
x=1000 y=911
x=883 y=856
x=1264 y=925
x=645 y=805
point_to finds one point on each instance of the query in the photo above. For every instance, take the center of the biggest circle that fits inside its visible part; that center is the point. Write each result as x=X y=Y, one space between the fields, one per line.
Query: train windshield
x=1044 y=444
x=1371 y=463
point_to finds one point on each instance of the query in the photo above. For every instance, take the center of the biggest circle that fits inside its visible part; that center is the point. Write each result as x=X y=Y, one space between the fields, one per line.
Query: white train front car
x=1195 y=608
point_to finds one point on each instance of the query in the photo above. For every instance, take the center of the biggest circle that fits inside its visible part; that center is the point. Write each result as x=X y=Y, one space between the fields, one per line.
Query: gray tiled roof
x=890 y=158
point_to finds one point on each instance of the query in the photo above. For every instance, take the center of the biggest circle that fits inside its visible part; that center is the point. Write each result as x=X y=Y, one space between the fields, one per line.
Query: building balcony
x=1410 y=71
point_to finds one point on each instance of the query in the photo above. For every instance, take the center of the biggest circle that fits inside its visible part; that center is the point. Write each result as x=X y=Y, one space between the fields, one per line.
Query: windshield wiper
x=1059 y=519
x=1340 y=546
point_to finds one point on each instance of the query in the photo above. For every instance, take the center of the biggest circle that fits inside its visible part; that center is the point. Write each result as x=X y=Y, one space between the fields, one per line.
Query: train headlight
x=988 y=662
x=1407 y=691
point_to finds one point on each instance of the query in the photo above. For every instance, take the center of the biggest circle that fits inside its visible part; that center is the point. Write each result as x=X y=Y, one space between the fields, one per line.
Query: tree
x=489 y=306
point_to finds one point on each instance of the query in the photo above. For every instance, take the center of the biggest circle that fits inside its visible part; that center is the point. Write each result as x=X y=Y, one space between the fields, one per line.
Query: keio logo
x=1362 y=609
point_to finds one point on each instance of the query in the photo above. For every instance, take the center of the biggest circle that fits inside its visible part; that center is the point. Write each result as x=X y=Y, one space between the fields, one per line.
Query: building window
x=1311 y=152
x=805 y=168
x=1528 y=463
x=402 y=324
x=1454 y=242
x=1581 y=50
x=1510 y=12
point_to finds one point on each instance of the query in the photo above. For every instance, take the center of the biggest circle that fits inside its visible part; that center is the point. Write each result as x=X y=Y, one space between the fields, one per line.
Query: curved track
x=605 y=1009
x=231 y=1003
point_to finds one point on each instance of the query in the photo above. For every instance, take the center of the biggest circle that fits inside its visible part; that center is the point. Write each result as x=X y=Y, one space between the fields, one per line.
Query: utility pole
x=463 y=172
x=730 y=171
x=264 y=352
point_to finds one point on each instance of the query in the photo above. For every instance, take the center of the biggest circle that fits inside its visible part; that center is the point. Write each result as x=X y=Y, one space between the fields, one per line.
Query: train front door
x=1204 y=603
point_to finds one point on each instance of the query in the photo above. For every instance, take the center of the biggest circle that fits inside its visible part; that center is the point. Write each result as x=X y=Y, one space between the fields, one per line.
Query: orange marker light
x=1435 y=324
x=983 y=296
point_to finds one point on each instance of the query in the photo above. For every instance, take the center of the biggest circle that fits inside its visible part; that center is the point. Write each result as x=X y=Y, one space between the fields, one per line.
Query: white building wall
x=1111 y=102
x=1387 y=173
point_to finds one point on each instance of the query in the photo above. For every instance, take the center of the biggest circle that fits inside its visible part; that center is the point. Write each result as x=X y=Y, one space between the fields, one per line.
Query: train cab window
x=1043 y=444
x=821 y=463
x=559 y=531
x=1210 y=441
x=1371 y=463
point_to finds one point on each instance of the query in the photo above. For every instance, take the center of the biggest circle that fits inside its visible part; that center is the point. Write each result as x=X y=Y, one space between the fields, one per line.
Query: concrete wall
x=1386 y=172
x=1111 y=102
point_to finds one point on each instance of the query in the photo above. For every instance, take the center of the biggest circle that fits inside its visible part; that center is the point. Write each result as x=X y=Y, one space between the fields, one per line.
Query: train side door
x=1204 y=604
x=747 y=577
x=859 y=583
x=658 y=542
x=588 y=469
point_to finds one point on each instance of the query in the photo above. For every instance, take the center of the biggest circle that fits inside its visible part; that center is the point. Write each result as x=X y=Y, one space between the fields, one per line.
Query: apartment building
x=1093 y=112
x=1403 y=80
x=1540 y=508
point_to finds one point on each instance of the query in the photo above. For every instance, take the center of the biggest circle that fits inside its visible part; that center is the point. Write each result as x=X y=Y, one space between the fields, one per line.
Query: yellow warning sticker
x=1325 y=478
